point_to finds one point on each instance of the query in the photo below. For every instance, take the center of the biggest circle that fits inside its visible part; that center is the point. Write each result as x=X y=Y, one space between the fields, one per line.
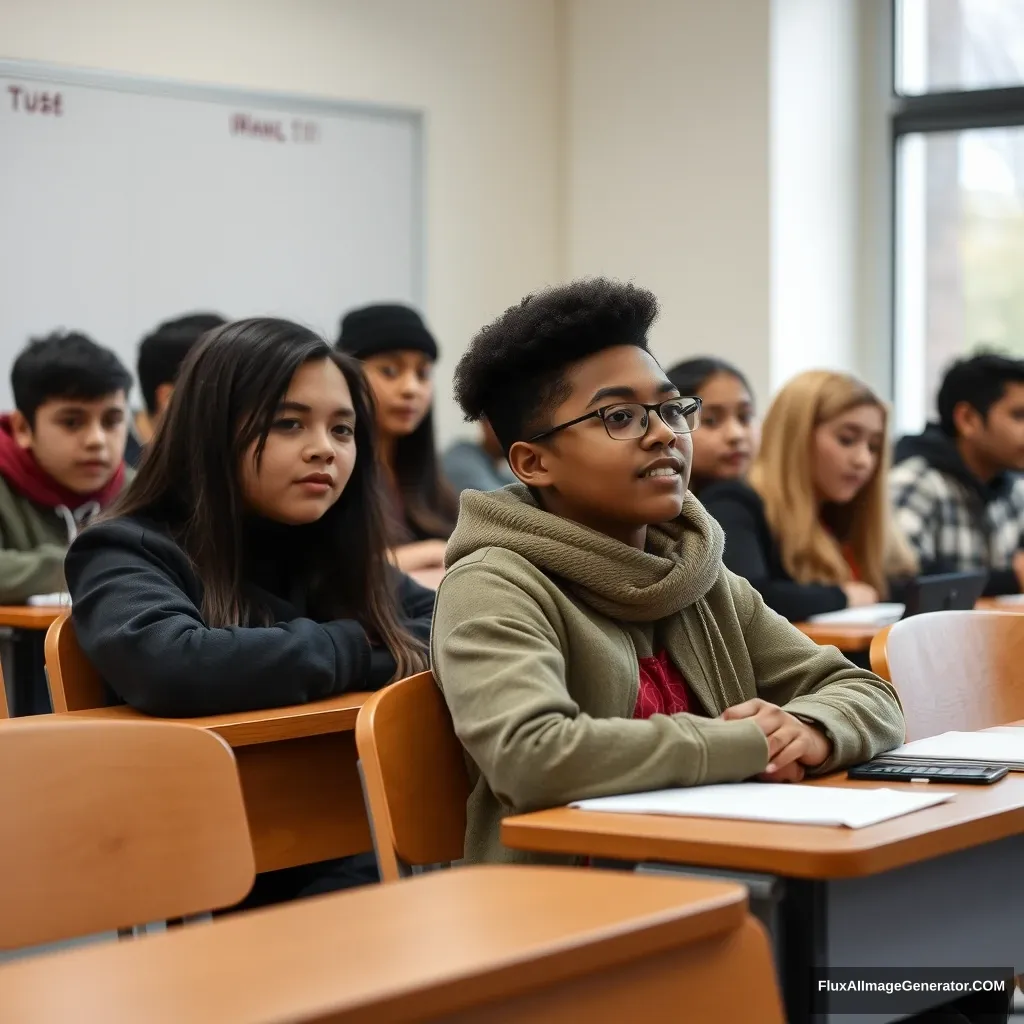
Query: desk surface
x=994 y=604
x=23 y=616
x=846 y=638
x=979 y=814
x=244 y=728
x=427 y=946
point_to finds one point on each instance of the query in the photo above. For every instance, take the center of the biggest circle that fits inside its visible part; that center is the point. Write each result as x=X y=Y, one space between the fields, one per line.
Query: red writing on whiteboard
x=33 y=102
x=245 y=124
x=305 y=131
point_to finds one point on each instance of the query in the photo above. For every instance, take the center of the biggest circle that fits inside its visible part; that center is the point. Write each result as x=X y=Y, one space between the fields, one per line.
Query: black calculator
x=955 y=772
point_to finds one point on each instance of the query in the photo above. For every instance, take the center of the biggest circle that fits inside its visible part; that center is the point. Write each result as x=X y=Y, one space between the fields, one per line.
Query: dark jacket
x=136 y=609
x=954 y=521
x=752 y=552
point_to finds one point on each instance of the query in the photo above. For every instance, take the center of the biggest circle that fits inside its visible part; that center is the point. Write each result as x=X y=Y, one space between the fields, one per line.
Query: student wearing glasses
x=587 y=637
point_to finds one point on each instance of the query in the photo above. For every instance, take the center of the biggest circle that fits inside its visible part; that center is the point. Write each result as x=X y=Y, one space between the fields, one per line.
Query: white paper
x=869 y=615
x=50 y=600
x=1010 y=599
x=988 y=747
x=760 y=801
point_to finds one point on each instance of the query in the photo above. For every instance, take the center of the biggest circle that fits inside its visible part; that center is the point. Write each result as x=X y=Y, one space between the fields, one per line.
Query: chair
x=75 y=685
x=108 y=825
x=4 y=710
x=954 y=670
x=414 y=777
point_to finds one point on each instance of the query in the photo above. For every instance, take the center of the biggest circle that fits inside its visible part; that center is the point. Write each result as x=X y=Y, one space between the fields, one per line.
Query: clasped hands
x=793 y=745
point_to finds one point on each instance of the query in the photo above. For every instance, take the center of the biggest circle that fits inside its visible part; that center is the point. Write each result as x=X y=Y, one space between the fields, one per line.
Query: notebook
x=50 y=600
x=992 y=746
x=759 y=801
x=880 y=615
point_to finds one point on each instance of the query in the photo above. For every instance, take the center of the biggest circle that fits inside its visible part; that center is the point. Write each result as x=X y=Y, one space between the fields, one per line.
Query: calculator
x=955 y=772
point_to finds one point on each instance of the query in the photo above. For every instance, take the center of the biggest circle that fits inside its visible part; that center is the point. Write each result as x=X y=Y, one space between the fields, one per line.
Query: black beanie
x=375 y=329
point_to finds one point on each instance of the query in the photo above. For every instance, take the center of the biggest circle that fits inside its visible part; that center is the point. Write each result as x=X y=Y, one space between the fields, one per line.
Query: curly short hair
x=980 y=381
x=513 y=373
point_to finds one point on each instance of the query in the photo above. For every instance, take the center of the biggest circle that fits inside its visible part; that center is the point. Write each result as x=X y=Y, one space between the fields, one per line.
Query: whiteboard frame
x=291 y=103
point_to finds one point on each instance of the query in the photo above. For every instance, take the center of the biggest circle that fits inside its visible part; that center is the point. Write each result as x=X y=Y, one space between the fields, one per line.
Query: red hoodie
x=20 y=469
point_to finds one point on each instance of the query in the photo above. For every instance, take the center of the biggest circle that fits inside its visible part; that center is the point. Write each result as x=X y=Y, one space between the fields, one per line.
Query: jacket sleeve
x=137 y=625
x=746 y=556
x=24 y=573
x=916 y=509
x=499 y=662
x=860 y=712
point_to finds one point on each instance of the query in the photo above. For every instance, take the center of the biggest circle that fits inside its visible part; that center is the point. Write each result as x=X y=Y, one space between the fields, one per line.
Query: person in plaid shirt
x=955 y=488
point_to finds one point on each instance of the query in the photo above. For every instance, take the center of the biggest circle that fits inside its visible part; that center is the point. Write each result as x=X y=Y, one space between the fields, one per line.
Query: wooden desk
x=993 y=604
x=23 y=662
x=19 y=616
x=849 y=639
x=937 y=888
x=299 y=777
x=474 y=944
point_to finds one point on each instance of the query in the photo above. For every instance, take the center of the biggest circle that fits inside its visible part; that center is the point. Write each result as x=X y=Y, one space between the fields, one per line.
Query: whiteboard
x=126 y=201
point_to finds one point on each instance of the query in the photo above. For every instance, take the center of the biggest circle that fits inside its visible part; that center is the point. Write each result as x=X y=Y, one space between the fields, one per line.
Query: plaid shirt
x=950 y=525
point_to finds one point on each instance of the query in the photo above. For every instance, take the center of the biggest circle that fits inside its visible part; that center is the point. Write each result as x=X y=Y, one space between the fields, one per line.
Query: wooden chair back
x=954 y=670
x=108 y=825
x=75 y=685
x=414 y=777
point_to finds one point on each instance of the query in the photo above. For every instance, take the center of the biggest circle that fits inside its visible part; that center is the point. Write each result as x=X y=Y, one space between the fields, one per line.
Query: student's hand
x=424 y=554
x=1018 y=568
x=793 y=745
x=429 y=578
x=859 y=594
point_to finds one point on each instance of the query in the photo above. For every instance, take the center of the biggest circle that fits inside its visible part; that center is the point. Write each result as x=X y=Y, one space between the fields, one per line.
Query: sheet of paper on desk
x=989 y=747
x=869 y=615
x=50 y=600
x=760 y=801
x=1010 y=599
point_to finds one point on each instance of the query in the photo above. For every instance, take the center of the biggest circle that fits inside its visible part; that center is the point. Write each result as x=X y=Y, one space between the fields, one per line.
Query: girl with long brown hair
x=398 y=354
x=246 y=567
x=813 y=529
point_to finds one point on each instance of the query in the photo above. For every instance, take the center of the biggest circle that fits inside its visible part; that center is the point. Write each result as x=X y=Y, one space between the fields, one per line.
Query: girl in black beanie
x=398 y=354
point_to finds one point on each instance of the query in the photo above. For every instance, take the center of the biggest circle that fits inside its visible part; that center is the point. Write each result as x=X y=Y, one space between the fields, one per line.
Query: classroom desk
x=18 y=616
x=496 y=944
x=299 y=778
x=993 y=604
x=22 y=670
x=849 y=639
x=937 y=888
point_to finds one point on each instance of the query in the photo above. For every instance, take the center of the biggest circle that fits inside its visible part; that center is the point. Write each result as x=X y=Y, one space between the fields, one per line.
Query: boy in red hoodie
x=61 y=457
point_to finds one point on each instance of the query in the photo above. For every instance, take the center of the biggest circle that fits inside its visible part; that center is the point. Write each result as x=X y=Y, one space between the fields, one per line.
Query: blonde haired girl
x=813 y=531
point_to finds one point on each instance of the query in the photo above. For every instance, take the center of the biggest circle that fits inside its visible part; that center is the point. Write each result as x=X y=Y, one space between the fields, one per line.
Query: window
x=958 y=131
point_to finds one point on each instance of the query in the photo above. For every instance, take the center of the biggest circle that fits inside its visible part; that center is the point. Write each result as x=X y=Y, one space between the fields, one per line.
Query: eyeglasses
x=631 y=420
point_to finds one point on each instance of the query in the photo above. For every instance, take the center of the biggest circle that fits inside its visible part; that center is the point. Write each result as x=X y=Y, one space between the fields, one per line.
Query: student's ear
x=967 y=420
x=163 y=397
x=21 y=430
x=529 y=463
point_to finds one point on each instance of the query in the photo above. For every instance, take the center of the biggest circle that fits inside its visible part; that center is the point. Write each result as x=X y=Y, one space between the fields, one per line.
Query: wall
x=486 y=73
x=666 y=172
x=813 y=185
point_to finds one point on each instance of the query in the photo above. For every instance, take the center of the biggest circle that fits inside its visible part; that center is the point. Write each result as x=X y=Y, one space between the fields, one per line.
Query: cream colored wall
x=564 y=137
x=666 y=174
x=486 y=73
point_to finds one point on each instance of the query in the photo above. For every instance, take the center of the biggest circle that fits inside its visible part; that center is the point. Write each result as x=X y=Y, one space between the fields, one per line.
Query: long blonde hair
x=811 y=539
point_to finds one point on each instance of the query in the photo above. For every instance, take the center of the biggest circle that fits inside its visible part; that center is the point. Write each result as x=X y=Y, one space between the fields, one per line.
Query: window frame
x=923 y=114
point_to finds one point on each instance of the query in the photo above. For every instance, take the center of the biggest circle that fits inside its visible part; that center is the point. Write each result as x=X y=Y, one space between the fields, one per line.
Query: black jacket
x=136 y=609
x=752 y=552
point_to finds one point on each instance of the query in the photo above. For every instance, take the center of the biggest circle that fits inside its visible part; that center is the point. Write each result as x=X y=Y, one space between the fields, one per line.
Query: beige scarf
x=667 y=583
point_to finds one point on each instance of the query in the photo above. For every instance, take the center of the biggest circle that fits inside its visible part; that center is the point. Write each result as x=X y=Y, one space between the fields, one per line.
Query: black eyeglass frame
x=603 y=411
